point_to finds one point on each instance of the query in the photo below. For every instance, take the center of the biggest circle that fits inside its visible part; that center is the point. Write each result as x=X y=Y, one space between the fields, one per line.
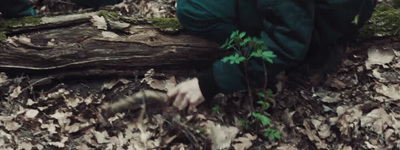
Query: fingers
x=172 y=94
x=186 y=94
x=179 y=100
x=186 y=101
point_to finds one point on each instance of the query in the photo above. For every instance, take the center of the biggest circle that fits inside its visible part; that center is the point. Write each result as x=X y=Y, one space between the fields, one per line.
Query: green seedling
x=245 y=49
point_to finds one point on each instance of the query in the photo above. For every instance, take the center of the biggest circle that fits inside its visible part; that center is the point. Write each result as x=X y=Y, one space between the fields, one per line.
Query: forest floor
x=356 y=107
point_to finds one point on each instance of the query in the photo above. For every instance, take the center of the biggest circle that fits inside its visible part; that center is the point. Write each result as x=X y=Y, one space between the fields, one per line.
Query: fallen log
x=74 y=45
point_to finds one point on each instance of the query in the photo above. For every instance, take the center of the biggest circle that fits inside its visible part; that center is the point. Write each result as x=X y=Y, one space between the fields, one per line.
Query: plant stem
x=248 y=87
x=265 y=76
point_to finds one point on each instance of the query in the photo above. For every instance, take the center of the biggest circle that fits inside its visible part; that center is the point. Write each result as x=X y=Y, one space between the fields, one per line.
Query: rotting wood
x=74 y=45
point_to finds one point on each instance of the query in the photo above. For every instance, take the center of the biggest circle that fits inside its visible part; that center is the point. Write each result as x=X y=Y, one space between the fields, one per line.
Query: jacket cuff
x=208 y=85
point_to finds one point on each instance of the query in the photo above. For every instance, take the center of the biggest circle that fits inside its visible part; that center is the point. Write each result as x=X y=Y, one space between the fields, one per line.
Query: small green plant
x=245 y=49
x=245 y=123
x=216 y=108
x=272 y=133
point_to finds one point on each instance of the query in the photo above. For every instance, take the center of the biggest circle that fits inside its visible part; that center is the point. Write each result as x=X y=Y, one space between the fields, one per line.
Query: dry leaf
x=378 y=56
x=391 y=90
x=378 y=119
x=31 y=102
x=50 y=127
x=324 y=131
x=112 y=83
x=60 y=144
x=287 y=117
x=73 y=128
x=62 y=117
x=100 y=136
x=73 y=101
x=31 y=113
x=311 y=135
x=328 y=99
x=336 y=83
x=244 y=142
x=99 y=22
x=3 y=78
x=24 y=146
x=11 y=125
x=164 y=85
x=221 y=136
x=109 y=34
x=346 y=120
x=16 y=92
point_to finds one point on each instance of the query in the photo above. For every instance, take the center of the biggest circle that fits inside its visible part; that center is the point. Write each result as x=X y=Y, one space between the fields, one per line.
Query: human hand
x=186 y=94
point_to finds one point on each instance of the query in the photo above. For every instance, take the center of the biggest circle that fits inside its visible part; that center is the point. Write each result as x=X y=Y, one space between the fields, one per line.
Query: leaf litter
x=357 y=107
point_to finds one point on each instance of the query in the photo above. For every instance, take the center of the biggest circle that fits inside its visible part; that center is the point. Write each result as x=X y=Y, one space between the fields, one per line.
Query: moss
x=384 y=22
x=168 y=25
x=109 y=15
x=3 y=36
x=20 y=22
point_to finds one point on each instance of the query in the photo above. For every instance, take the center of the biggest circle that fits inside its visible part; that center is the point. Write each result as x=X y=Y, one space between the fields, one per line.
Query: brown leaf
x=99 y=22
x=16 y=92
x=73 y=128
x=221 y=136
x=112 y=83
x=3 y=78
x=62 y=117
x=244 y=142
x=313 y=137
x=109 y=34
x=60 y=144
x=336 y=83
x=164 y=85
x=11 y=125
x=379 y=56
x=50 y=127
x=391 y=90
x=31 y=113
x=328 y=99
x=25 y=146
x=101 y=136
x=378 y=119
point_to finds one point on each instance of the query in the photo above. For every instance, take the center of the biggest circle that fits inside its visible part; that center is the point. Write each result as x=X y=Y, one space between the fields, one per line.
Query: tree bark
x=76 y=47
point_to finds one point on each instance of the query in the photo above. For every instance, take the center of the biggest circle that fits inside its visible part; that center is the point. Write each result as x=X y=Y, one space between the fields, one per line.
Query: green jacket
x=297 y=31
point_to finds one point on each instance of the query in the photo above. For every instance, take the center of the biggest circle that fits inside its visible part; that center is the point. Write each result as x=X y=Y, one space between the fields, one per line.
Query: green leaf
x=272 y=133
x=261 y=95
x=225 y=44
x=225 y=59
x=246 y=40
x=267 y=105
x=277 y=135
x=268 y=55
x=269 y=92
x=260 y=102
x=355 y=21
x=264 y=119
x=242 y=34
x=234 y=34
x=245 y=123
x=216 y=108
